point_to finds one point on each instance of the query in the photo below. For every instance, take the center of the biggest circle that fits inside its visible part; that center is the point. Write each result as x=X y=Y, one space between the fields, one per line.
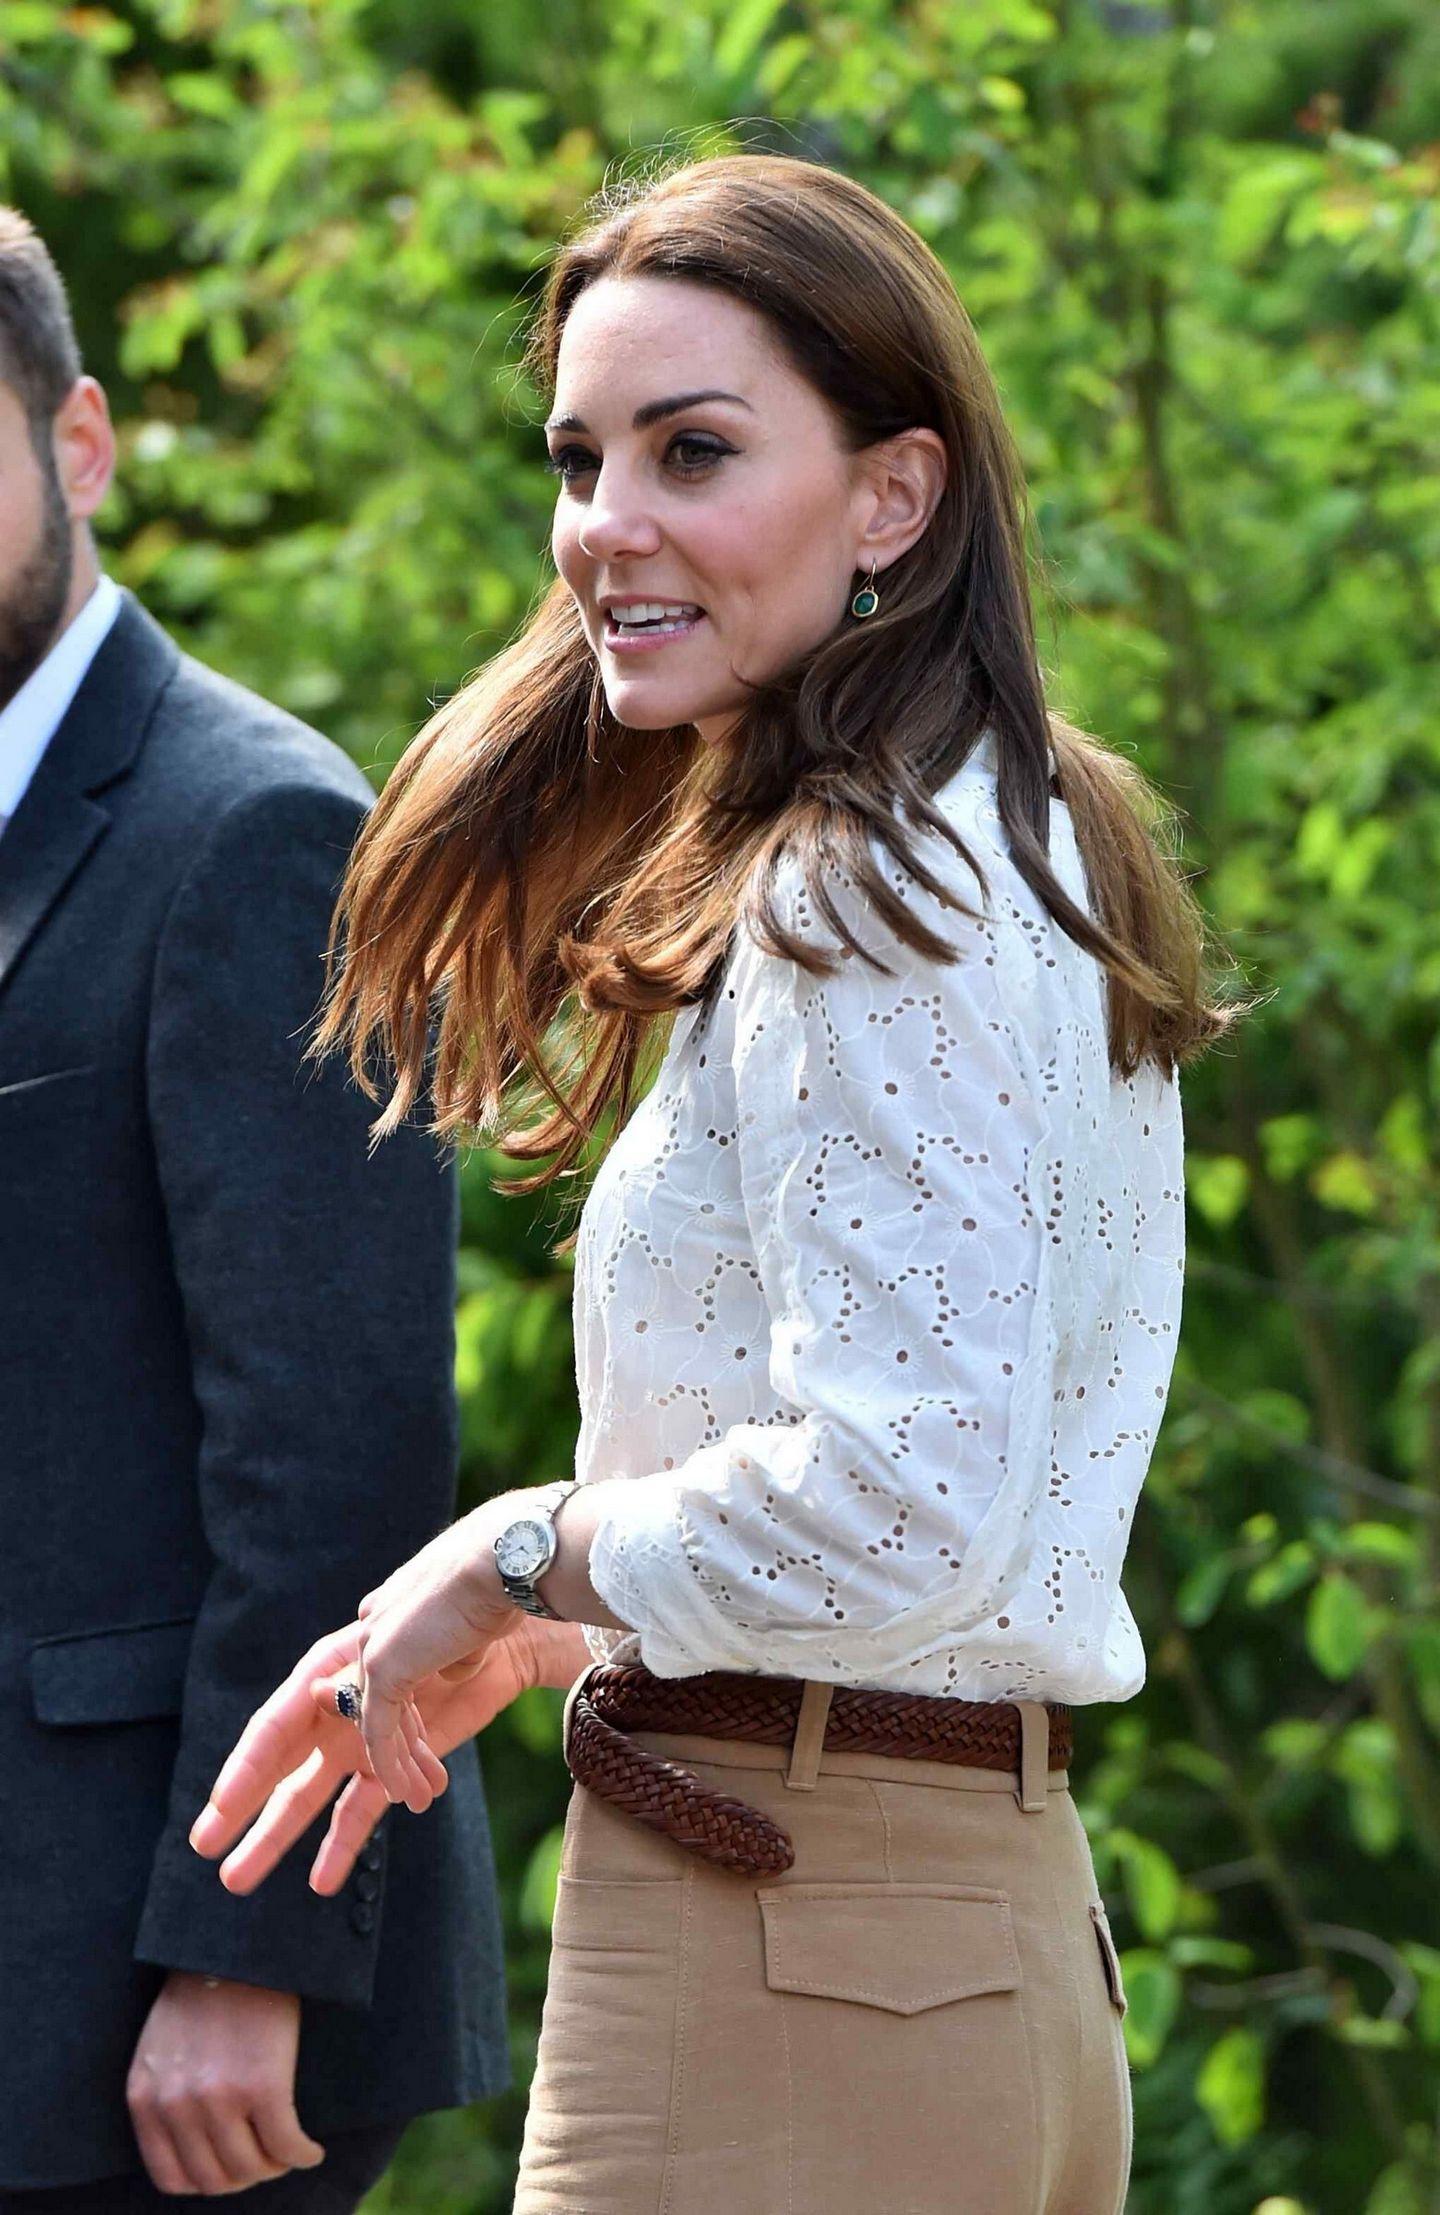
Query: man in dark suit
x=226 y=1406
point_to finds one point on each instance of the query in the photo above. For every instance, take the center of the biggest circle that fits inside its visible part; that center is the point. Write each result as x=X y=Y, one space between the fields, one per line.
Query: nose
x=616 y=519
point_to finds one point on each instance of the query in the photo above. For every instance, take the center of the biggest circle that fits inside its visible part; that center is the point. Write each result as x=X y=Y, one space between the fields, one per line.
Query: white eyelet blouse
x=876 y=1301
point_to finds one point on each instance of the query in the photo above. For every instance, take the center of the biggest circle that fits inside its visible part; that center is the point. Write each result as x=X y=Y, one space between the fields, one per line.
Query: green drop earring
x=867 y=599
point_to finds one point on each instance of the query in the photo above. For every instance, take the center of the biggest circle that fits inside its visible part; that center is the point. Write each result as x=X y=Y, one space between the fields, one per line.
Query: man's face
x=36 y=547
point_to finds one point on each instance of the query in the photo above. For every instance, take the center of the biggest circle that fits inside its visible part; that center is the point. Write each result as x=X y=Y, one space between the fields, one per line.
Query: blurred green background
x=1200 y=243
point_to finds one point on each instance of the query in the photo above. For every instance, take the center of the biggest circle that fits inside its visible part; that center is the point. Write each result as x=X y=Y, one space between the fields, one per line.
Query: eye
x=568 y=462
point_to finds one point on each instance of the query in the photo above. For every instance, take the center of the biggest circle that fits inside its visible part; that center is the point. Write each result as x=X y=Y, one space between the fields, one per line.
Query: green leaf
x=1346 y=1181
x=1262 y=195
x=1405 y=1134
x=541 y=1881
x=1336 y=1625
x=1422 y=1652
x=782 y=63
x=1275 y=1580
x=1399 y=2190
x=1384 y=1542
x=1293 y=1742
x=1192 y=1950
x=1364 y=1760
x=1201 y=1589
x=1152 y=1885
x=535 y=1717
x=203 y=92
x=1289 y=1144
x=1230 y=2085
x=1378 y=2031
x=745 y=26
x=1424 y=1961
x=1003 y=93
x=1152 y=1986
x=1219 y=1185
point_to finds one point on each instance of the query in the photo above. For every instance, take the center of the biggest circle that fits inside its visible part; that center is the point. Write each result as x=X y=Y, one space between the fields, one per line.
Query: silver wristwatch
x=527 y=1547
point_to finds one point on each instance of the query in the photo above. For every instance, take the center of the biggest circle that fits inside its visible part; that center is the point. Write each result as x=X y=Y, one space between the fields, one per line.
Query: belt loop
x=1033 y=1792
x=809 y=1741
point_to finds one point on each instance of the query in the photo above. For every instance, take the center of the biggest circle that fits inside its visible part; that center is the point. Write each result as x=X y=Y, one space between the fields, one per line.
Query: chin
x=647 y=719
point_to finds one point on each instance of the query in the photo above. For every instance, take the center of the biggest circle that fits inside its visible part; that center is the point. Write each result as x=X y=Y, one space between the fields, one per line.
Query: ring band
x=347 y=1699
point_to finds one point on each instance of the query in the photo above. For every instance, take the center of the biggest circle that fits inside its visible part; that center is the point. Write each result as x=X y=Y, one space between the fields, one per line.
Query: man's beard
x=31 y=609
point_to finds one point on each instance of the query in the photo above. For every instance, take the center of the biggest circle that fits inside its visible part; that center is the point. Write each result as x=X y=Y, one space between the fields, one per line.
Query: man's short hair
x=39 y=356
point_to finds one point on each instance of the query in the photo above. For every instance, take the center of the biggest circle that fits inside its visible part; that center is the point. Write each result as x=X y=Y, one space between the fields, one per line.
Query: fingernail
x=203 y=1828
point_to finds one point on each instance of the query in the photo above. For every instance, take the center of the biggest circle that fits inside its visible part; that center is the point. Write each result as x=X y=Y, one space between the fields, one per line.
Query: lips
x=627 y=639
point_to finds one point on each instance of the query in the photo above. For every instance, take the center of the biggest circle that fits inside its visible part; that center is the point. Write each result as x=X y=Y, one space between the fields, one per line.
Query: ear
x=904 y=479
x=84 y=445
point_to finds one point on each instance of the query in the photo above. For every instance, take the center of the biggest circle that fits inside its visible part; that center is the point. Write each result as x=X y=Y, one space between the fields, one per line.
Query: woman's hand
x=298 y=1749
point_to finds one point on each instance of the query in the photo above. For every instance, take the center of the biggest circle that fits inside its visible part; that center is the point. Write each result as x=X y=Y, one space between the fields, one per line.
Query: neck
x=84 y=576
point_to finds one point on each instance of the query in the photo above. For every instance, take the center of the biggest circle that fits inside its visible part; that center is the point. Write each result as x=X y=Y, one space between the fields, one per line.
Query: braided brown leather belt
x=611 y=1698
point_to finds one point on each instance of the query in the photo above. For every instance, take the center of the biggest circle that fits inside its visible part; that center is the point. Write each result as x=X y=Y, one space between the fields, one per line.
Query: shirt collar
x=31 y=719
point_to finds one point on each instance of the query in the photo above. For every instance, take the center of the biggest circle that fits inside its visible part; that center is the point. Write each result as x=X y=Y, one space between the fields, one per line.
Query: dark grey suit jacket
x=226 y=1409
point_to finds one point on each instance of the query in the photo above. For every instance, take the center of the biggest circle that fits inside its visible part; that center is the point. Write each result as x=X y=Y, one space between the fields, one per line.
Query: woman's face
x=745 y=508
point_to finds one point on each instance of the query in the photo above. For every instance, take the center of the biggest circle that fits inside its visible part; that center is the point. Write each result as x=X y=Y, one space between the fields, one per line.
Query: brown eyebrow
x=654 y=411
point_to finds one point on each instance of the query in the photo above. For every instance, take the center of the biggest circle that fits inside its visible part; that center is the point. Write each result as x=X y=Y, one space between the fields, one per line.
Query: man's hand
x=212 y=2086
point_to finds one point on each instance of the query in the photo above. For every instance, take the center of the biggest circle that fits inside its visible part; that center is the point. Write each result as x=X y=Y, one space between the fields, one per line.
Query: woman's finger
x=432 y=1769
x=407 y=1735
x=353 y=1818
x=293 y=1807
x=436 y=1775
x=343 y=1695
x=277 y=1738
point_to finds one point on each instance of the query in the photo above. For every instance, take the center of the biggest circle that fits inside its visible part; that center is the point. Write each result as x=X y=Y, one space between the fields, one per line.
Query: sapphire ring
x=347 y=1699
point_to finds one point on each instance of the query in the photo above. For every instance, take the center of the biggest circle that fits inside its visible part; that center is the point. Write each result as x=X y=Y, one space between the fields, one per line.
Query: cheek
x=785 y=561
x=19 y=518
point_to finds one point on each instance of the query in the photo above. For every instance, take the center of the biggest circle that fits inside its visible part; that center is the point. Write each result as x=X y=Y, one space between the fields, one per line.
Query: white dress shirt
x=31 y=719
x=876 y=1301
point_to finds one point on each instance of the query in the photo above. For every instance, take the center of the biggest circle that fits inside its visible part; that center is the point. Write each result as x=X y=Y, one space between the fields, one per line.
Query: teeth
x=650 y=611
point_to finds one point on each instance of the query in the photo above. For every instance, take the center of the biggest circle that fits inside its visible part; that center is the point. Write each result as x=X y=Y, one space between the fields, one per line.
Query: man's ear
x=83 y=440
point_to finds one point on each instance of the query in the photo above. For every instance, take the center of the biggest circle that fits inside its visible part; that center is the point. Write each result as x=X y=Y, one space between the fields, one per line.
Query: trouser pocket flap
x=904 y=1947
x=1109 y=1954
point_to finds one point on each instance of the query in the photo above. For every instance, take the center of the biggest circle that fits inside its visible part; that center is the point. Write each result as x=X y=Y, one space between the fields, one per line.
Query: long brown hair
x=539 y=884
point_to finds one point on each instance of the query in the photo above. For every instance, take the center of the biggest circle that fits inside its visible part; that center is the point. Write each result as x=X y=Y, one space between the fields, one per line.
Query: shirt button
x=362 y=1917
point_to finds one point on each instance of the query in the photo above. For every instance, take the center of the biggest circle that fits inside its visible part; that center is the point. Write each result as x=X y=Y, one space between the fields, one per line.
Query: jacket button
x=362 y=1917
x=367 y=1885
x=371 y=1856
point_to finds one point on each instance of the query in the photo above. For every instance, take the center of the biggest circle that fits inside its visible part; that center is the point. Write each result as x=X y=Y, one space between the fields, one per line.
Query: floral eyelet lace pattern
x=876 y=1300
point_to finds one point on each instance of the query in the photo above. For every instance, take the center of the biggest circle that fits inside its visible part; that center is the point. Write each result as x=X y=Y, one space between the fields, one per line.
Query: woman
x=876 y=1291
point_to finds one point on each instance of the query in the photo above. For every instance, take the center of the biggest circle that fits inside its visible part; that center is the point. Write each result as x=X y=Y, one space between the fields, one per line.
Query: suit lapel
x=62 y=818
x=43 y=849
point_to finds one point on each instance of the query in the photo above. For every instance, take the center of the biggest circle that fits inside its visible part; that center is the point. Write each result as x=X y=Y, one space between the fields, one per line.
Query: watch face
x=523 y=1548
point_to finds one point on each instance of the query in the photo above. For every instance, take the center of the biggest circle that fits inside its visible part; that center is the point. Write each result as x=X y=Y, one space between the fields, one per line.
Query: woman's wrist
x=565 y=1585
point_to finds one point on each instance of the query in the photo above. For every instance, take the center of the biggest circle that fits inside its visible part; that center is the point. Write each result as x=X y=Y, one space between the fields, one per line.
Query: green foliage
x=1200 y=243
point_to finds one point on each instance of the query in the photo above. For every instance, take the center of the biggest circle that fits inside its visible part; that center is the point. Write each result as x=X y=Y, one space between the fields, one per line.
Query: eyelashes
x=708 y=451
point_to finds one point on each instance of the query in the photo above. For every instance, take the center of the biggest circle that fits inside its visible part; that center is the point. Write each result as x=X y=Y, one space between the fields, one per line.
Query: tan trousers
x=920 y=2017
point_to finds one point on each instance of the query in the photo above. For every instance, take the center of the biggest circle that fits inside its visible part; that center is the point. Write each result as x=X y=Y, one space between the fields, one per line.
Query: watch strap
x=548 y=1499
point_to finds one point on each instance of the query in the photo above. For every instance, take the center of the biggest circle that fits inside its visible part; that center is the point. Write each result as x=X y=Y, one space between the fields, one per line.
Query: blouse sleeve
x=887 y=1128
